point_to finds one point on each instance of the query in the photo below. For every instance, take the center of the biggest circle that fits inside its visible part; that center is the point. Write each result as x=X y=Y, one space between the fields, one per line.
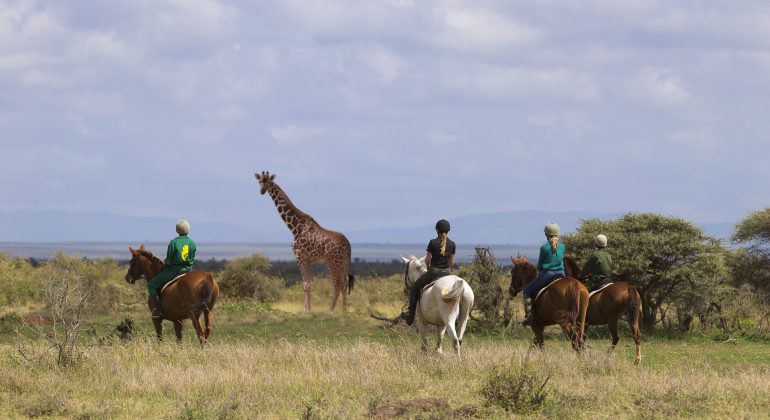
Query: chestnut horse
x=606 y=306
x=188 y=297
x=564 y=303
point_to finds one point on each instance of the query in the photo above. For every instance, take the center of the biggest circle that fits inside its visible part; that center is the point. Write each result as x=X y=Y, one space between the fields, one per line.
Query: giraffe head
x=265 y=181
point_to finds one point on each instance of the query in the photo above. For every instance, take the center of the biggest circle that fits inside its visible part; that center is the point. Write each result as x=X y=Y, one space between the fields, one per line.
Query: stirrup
x=156 y=313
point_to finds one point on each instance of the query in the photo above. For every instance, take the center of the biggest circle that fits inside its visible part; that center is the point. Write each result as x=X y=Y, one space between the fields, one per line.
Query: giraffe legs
x=340 y=285
x=304 y=269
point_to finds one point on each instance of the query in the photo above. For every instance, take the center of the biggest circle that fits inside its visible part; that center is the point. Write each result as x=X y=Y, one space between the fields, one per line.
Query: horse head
x=140 y=264
x=522 y=273
x=265 y=180
x=415 y=267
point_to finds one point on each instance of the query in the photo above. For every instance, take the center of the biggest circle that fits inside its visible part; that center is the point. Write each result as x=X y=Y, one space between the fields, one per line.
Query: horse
x=444 y=303
x=607 y=305
x=187 y=297
x=564 y=302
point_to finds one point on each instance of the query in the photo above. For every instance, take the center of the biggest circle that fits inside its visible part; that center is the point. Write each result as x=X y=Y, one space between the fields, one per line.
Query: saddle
x=550 y=282
x=178 y=276
x=599 y=289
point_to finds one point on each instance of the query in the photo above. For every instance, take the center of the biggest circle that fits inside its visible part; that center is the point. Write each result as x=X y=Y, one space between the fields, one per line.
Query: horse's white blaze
x=446 y=304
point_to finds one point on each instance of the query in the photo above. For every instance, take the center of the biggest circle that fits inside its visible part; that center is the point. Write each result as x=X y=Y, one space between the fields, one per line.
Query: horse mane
x=152 y=258
x=571 y=265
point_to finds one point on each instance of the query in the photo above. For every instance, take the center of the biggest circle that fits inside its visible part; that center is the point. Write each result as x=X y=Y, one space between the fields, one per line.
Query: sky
x=385 y=113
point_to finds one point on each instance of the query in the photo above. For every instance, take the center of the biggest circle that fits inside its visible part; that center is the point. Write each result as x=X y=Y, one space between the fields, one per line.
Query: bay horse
x=188 y=297
x=564 y=303
x=446 y=304
x=607 y=305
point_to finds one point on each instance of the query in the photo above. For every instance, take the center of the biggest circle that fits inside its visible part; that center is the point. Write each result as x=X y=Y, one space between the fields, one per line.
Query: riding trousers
x=541 y=281
x=432 y=274
x=166 y=275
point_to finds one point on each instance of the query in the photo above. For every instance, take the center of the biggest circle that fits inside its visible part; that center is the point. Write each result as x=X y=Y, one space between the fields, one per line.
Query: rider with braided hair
x=439 y=258
x=550 y=264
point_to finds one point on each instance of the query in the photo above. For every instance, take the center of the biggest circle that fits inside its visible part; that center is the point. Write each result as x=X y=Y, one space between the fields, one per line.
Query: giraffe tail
x=351 y=282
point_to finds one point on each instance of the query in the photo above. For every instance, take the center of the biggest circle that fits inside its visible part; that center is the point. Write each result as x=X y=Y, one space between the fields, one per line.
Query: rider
x=550 y=264
x=180 y=257
x=439 y=258
x=598 y=268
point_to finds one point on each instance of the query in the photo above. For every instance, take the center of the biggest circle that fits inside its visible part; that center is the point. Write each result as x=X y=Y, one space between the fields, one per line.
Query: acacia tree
x=752 y=263
x=671 y=261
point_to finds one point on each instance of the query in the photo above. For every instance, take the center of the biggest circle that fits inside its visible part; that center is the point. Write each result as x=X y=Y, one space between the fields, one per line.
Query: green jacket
x=598 y=266
x=180 y=253
x=550 y=260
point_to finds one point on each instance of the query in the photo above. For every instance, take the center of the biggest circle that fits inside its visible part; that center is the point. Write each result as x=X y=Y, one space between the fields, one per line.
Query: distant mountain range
x=514 y=227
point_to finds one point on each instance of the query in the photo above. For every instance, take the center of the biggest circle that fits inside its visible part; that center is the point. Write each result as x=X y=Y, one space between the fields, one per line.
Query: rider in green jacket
x=180 y=257
x=598 y=269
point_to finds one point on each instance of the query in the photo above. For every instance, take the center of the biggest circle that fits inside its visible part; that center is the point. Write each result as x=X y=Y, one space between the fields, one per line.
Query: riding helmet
x=600 y=241
x=551 y=229
x=183 y=227
x=442 y=226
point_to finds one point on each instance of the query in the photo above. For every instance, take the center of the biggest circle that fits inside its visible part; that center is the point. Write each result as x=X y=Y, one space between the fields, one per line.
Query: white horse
x=444 y=303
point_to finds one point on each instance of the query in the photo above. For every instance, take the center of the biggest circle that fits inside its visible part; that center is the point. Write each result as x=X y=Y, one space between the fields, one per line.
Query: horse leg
x=440 y=339
x=158 y=328
x=304 y=269
x=178 y=330
x=422 y=329
x=637 y=339
x=571 y=334
x=538 y=330
x=195 y=318
x=454 y=337
x=613 y=327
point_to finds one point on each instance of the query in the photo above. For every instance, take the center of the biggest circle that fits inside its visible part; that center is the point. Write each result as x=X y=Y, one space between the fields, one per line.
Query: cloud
x=477 y=29
x=660 y=86
x=290 y=134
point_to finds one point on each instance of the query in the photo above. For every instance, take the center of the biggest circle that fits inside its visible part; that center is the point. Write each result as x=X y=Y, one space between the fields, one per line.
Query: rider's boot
x=527 y=312
x=157 y=312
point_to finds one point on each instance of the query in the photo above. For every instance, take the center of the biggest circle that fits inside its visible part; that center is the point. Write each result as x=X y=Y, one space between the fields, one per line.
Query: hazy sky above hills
x=384 y=113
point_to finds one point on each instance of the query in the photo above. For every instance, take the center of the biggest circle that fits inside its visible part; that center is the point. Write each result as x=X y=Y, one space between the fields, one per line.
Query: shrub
x=484 y=276
x=519 y=387
x=246 y=277
x=18 y=284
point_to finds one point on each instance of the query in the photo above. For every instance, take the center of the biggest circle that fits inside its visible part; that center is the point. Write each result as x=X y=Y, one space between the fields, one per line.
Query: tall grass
x=346 y=378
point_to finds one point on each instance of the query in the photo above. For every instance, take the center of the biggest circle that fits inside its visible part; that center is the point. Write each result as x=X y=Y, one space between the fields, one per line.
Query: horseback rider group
x=550 y=266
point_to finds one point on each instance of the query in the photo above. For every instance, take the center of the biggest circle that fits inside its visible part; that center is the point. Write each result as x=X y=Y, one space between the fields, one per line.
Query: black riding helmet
x=442 y=226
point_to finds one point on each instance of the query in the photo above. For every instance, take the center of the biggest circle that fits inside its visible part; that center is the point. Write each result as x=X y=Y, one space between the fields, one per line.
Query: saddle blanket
x=546 y=287
x=602 y=287
x=172 y=282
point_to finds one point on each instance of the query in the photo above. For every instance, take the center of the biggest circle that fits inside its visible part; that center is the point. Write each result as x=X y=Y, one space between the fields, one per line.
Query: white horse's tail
x=454 y=293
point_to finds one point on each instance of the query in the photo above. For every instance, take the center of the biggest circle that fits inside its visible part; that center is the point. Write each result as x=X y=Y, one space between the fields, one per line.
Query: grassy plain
x=278 y=362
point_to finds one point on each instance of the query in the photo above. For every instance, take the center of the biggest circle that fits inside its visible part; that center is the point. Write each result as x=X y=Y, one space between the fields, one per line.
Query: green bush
x=18 y=283
x=247 y=277
x=519 y=387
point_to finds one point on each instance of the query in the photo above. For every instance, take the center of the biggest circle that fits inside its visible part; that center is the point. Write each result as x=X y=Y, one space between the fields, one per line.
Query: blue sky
x=385 y=113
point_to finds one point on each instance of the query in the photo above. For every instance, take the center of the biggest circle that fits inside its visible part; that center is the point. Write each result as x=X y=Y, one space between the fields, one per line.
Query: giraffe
x=312 y=243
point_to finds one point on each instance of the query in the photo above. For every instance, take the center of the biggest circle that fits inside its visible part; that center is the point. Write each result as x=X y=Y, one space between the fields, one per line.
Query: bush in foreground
x=519 y=387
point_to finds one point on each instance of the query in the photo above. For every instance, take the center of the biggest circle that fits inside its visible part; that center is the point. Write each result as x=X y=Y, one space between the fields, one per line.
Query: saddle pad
x=171 y=282
x=547 y=286
x=599 y=289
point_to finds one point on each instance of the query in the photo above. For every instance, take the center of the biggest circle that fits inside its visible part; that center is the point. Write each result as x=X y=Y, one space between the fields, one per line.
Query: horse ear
x=524 y=259
x=404 y=259
x=141 y=247
x=132 y=250
x=422 y=259
x=512 y=260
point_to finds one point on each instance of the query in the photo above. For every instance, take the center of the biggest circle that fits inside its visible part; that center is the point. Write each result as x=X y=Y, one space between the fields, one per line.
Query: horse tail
x=632 y=313
x=208 y=294
x=351 y=282
x=573 y=297
x=578 y=307
x=454 y=293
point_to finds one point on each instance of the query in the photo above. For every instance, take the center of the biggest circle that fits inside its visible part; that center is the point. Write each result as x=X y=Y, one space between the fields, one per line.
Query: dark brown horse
x=564 y=303
x=189 y=297
x=606 y=306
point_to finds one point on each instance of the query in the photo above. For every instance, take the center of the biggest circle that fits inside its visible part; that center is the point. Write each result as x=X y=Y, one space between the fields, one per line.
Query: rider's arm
x=427 y=259
x=451 y=261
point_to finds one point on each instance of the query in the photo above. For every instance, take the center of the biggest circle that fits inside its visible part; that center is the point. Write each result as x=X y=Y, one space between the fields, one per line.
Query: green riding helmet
x=551 y=229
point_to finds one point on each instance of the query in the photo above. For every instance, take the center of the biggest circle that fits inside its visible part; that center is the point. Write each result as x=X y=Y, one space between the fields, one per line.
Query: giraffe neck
x=296 y=220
